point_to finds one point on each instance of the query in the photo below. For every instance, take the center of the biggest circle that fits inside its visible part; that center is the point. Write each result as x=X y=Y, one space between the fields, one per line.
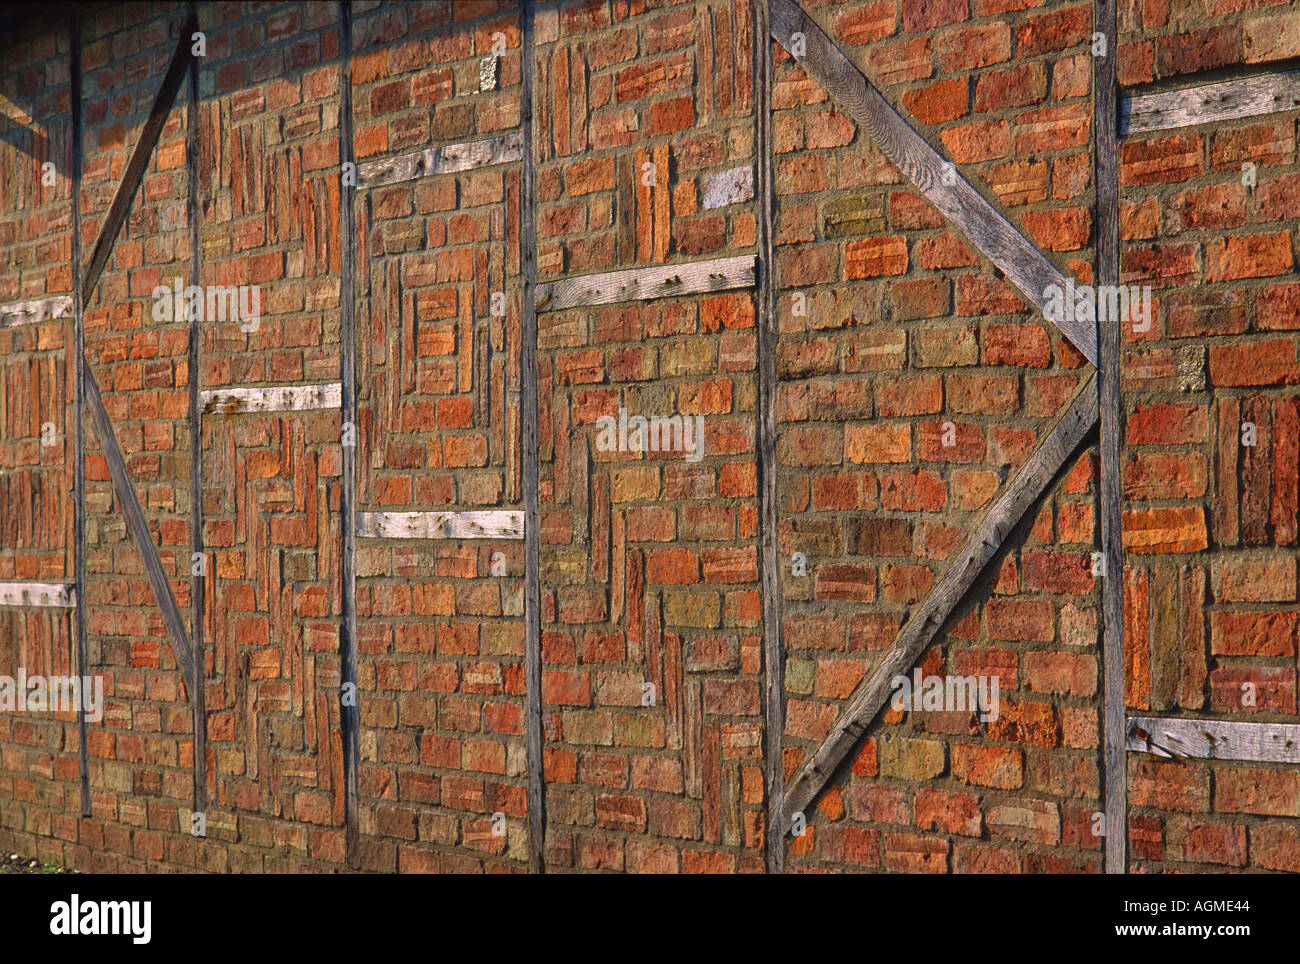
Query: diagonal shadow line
x=116 y=217
x=17 y=22
x=27 y=138
x=995 y=237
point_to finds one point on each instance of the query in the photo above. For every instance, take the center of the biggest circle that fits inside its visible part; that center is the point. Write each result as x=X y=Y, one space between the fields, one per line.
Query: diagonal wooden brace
x=162 y=589
x=1030 y=270
x=1033 y=479
x=113 y=222
x=935 y=176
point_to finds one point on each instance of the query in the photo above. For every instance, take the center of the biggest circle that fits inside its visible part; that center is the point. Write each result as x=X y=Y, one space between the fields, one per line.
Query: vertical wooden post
x=528 y=414
x=773 y=667
x=198 y=579
x=78 y=398
x=349 y=709
x=1111 y=412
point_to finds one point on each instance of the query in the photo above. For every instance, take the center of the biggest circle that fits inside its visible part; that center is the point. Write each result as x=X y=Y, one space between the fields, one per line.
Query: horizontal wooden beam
x=488 y=524
x=37 y=594
x=33 y=312
x=1215 y=739
x=1210 y=103
x=441 y=160
x=938 y=179
x=272 y=398
x=643 y=284
x=1033 y=479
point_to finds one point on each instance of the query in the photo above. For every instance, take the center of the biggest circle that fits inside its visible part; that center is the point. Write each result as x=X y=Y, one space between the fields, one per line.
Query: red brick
x=971 y=47
x=1270 y=362
x=943 y=101
x=1250 y=256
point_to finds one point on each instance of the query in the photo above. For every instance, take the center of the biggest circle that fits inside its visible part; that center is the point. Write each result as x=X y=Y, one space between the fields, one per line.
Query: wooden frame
x=78 y=403
x=1030 y=270
x=1214 y=739
x=198 y=574
x=768 y=388
x=933 y=174
x=1097 y=401
x=1210 y=103
x=644 y=284
x=1111 y=415
x=529 y=433
x=1029 y=484
x=113 y=222
x=349 y=713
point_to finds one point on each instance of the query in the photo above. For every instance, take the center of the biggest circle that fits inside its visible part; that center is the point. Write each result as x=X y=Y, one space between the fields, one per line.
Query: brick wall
x=652 y=678
x=913 y=381
x=1210 y=468
x=141 y=781
x=441 y=634
x=37 y=757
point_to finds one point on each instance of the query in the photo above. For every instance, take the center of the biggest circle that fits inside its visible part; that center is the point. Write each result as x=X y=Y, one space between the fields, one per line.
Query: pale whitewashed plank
x=34 y=312
x=273 y=398
x=483 y=524
x=643 y=284
x=37 y=594
x=1210 y=103
x=1215 y=739
x=441 y=160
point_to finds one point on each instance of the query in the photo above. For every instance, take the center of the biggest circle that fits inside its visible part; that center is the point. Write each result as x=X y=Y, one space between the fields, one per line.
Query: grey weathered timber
x=485 y=524
x=642 y=284
x=272 y=398
x=1210 y=103
x=34 y=312
x=198 y=574
x=38 y=594
x=1033 y=479
x=768 y=338
x=135 y=167
x=447 y=159
x=529 y=429
x=78 y=402
x=349 y=709
x=1214 y=739
x=130 y=502
x=991 y=233
x=1111 y=415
